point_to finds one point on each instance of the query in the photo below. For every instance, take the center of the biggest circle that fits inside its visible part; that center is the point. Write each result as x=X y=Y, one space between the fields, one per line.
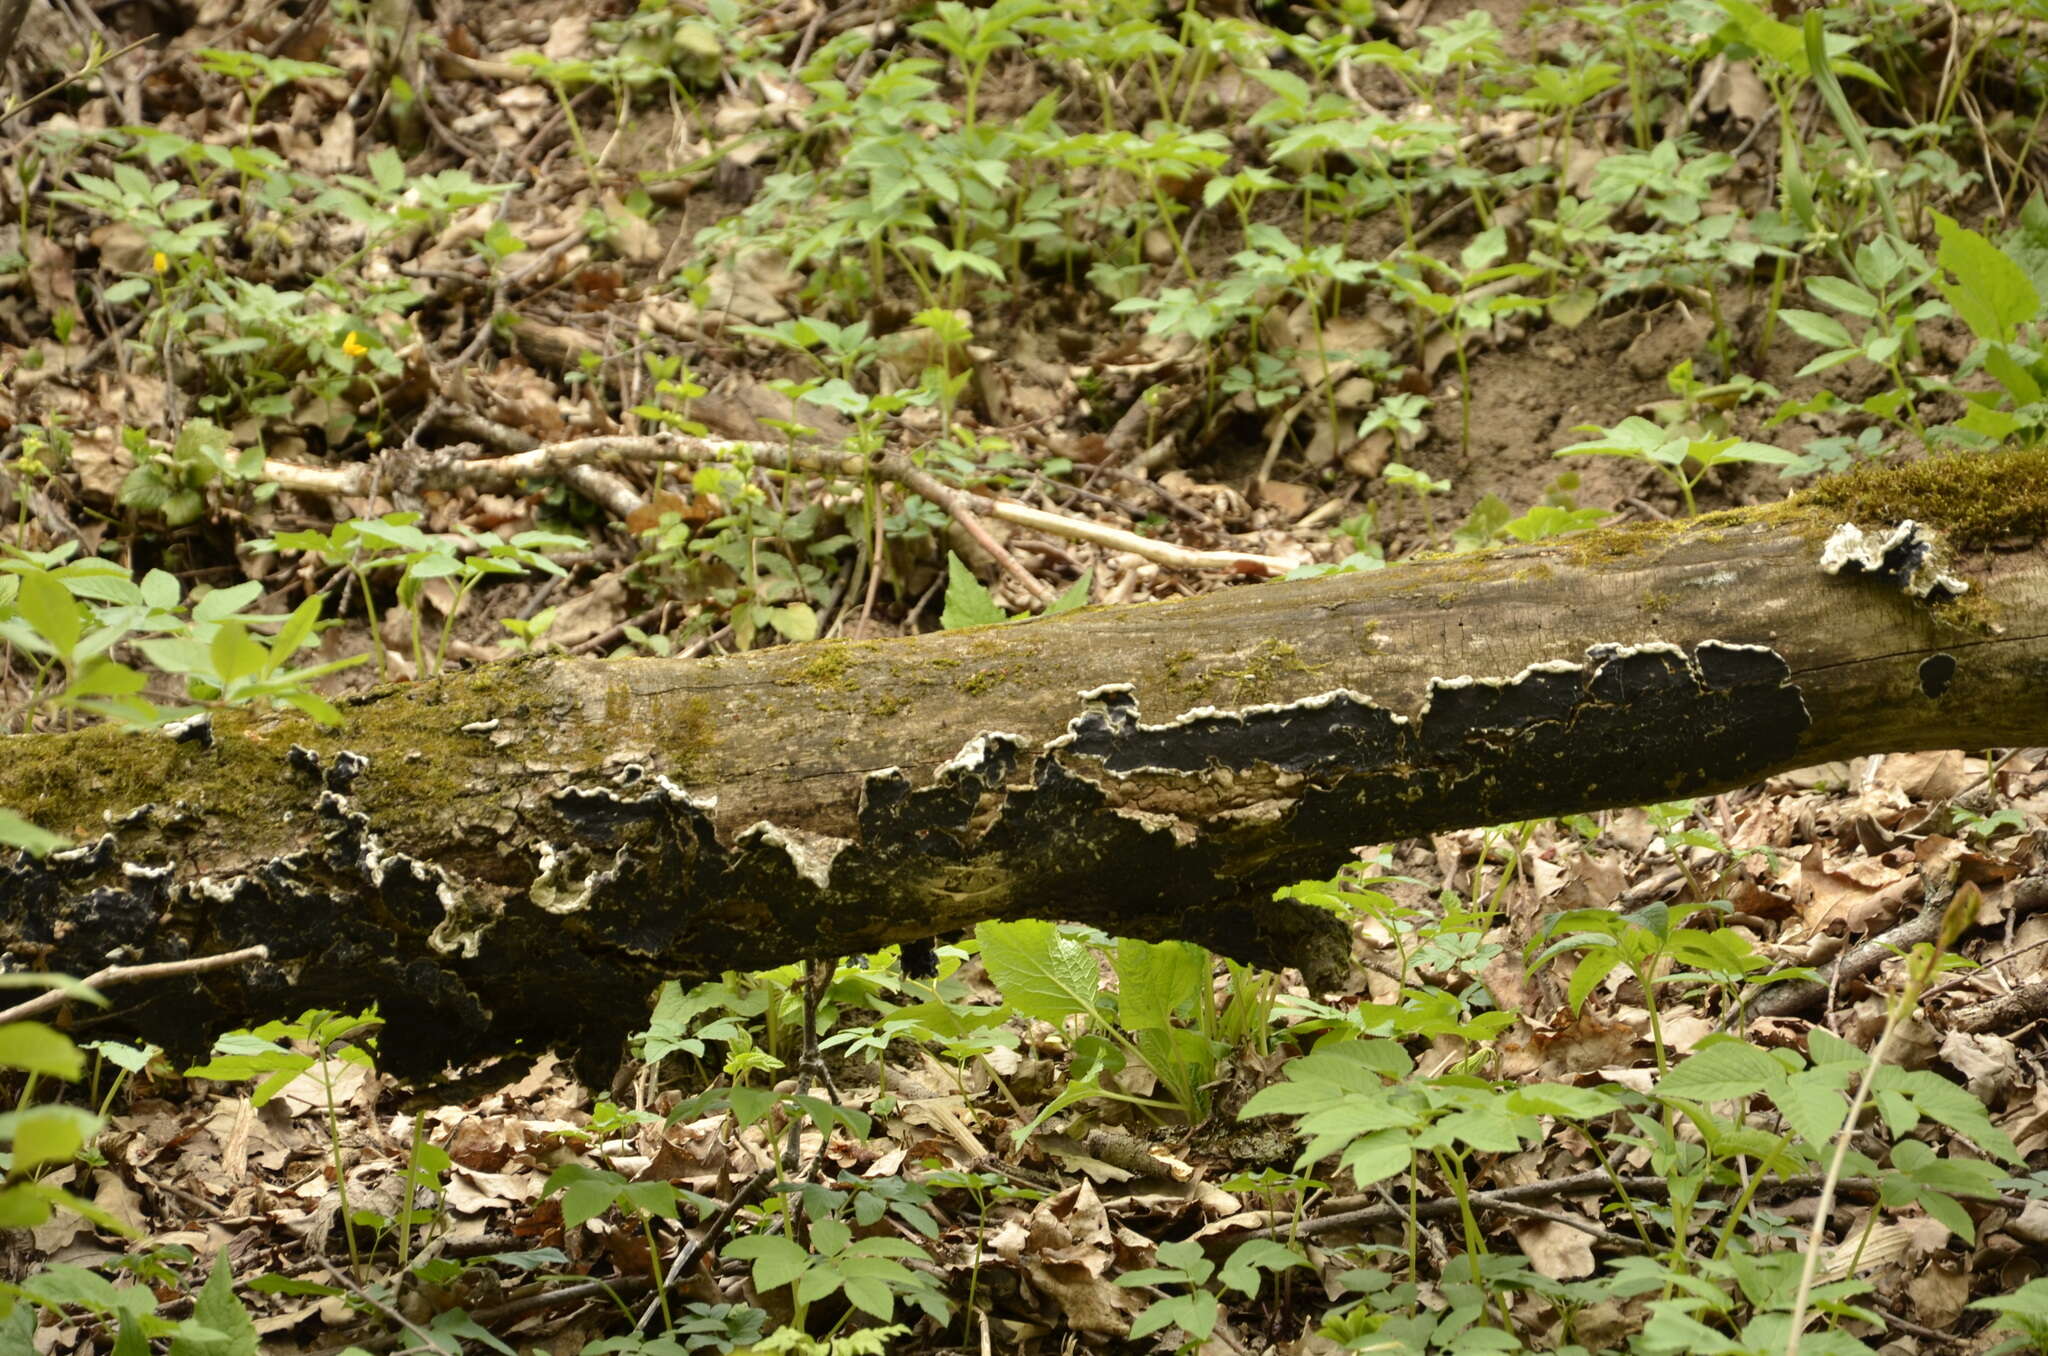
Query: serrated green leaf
x=1155 y=979
x=1041 y=973
x=1814 y=1103
x=63 y=1285
x=1075 y=596
x=218 y=1308
x=967 y=602
x=1943 y=1102
x=777 y=1261
x=1990 y=293
x=1722 y=1069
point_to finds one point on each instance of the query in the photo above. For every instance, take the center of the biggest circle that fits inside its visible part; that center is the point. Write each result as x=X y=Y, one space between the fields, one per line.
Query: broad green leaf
x=2027 y=246
x=967 y=602
x=777 y=1261
x=1075 y=596
x=794 y=621
x=1593 y=967
x=23 y=1206
x=869 y=1295
x=2021 y=1311
x=1958 y=1176
x=52 y=1133
x=1323 y=1081
x=16 y=832
x=101 y=581
x=442 y=565
x=1722 y=1069
x=49 y=607
x=296 y=631
x=1561 y=1099
x=1825 y=1047
x=1817 y=327
x=1489 y=1130
x=235 y=654
x=394 y=531
x=2018 y=382
x=1991 y=294
x=218 y=1308
x=38 y=1049
x=1240 y=1271
x=1763 y=453
x=105 y=679
x=223 y=603
x=1378 y=1156
x=1041 y=974
x=750 y=1104
x=1843 y=295
x=458 y=1324
x=1634 y=436
x=830 y=1236
x=1156 y=979
x=585 y=1200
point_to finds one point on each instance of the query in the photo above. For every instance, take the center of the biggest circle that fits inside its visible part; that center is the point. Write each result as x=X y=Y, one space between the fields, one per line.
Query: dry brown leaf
x=1935 y=775
x=1555 y=1250
x=634 y=235
x=1066 y=1250
x=1859 y=894
x=1940 y=1292
x=1988 y=1063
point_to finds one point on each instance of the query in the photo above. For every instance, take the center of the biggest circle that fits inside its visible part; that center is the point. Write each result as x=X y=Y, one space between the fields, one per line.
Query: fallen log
x=516 y=854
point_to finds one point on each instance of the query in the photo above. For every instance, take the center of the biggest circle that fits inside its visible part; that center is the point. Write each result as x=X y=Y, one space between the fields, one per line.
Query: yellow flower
x=160 y=261
x=354 y=347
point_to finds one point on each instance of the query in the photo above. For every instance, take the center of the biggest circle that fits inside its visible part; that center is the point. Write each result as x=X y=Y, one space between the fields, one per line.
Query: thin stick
x=965 y=506
x=129 y=974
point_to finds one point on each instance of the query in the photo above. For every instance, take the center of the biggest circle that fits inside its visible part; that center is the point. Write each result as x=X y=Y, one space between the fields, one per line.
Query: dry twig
x=585 y=454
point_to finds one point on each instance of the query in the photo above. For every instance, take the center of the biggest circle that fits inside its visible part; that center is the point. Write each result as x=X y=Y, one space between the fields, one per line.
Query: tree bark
x=518 y=853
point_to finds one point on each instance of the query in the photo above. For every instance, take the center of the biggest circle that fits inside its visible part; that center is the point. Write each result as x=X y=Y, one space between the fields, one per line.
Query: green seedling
x=1186 y=1267
x=1162 y=1013
x=1684 y=458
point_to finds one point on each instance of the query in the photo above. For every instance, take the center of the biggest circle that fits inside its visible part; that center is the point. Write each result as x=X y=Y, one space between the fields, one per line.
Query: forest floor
x=1326 y=284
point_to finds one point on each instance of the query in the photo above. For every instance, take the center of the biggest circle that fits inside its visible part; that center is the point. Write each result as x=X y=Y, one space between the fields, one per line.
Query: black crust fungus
x=1937 y=671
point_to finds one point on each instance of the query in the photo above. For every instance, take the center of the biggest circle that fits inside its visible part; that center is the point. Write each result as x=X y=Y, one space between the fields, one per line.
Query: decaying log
x=516 y=854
